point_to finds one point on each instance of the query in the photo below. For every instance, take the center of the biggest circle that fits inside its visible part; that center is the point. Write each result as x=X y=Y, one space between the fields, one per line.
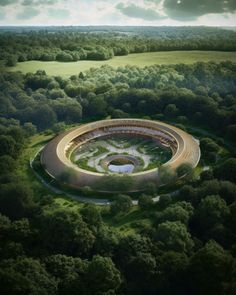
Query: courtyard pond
x=124 y=169
x=121 y=164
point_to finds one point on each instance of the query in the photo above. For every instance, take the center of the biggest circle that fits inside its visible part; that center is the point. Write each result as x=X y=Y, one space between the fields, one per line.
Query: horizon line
x=100 y=25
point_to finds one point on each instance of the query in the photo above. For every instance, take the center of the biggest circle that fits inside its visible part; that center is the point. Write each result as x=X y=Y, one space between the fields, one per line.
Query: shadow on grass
x=121 y=220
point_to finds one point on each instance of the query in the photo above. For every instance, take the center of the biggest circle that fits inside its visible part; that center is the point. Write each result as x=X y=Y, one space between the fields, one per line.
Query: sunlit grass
x=68 y=69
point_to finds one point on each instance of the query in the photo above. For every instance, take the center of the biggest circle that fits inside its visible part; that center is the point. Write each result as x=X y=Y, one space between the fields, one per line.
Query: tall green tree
x=64 y=231
x=173 y=235
x=102 y=277
x=16 y=200
x=25 y=276
x=210 y=271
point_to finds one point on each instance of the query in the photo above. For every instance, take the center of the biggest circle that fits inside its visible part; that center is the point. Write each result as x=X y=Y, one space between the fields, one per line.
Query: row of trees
x=94 y=53
x=75 y=45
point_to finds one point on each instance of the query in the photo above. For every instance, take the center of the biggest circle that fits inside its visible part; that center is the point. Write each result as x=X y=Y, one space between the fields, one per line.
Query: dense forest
x=203 y=93
x=102 y=43
x=189 y=245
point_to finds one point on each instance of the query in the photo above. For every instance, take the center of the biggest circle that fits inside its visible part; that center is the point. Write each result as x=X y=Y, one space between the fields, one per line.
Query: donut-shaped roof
x=55 y=156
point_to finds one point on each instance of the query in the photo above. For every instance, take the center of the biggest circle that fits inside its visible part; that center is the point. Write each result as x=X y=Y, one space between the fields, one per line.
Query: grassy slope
x=24 y=171
x=140 y=59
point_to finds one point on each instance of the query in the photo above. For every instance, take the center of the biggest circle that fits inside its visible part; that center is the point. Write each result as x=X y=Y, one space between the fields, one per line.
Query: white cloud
x=2 y=15
x=58 y=13
x=28 y=13
x=99 y=12
x=140 y=12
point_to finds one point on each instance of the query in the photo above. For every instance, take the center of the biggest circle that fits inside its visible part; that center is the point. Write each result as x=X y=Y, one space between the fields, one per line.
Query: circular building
x=56 y=156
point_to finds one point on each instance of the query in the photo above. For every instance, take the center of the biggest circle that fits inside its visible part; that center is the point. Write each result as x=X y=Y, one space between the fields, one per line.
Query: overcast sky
x=118 y=12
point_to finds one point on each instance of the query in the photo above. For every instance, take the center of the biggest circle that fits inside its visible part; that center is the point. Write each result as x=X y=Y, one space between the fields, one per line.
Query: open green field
x=66 y=69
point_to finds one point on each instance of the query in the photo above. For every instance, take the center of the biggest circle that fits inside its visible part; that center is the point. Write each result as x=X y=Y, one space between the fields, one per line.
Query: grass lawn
x=35 y=143
x=64 y=69
x=130 y=222
x=24 y=171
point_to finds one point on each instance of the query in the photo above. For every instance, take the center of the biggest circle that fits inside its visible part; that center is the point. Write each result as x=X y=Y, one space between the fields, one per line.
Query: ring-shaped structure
x=55 y=157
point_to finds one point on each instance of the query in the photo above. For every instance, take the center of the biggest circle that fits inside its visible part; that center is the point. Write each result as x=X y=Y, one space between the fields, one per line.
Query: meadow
x=67 y=69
